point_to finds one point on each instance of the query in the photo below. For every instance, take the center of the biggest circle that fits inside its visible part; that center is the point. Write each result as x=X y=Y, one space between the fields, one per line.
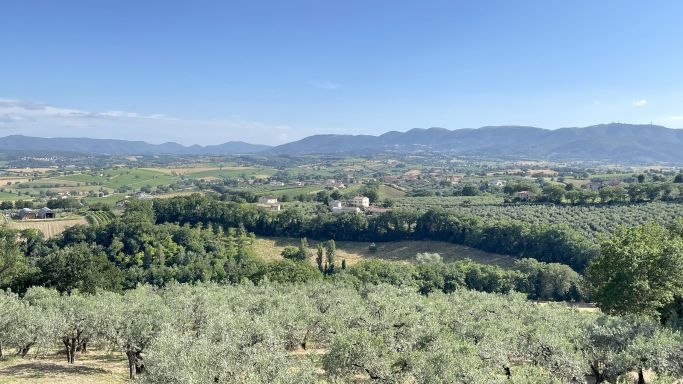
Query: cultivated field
x=50 y=228
x=119 y=177
x=401 y=251
x=12 y=180
x=6 y=196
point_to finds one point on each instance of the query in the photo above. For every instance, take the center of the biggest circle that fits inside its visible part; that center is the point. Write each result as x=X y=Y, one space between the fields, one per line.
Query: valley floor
x=270 y=248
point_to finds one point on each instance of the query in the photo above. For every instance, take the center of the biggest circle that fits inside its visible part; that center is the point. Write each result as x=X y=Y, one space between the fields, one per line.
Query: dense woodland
x=135 y=249
x=547 y=243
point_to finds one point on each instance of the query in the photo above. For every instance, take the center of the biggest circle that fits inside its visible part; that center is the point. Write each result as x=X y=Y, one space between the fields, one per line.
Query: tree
x=132 y=322
x=79 y=266
x=291 y=253
x=427 y=257
x=320 y=256
x=554 y=193
x=637 y=271
x=304 y=250
x=12 y=261
x=331 y=249
x=288 y=271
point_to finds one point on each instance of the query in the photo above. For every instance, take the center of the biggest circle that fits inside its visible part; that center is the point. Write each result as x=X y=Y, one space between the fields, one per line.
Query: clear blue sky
x=212 y=71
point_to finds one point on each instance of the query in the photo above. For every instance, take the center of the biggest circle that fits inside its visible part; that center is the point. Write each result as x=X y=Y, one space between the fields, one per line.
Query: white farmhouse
x=360 y=202
x=267 y=200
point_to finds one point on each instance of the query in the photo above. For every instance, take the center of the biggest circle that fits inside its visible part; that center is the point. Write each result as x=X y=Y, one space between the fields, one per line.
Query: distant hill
x=122 y=147
x=606 y=142
x=624 y=143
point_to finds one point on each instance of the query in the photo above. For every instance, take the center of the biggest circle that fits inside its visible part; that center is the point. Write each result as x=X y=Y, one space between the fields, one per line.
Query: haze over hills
x=122 y=147
x=607 y=142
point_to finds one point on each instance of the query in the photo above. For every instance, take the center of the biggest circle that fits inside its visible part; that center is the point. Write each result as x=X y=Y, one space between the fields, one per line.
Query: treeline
x=608 y=194
x=547 y=243
x=538 y=281
x=270 y=334
x=133 y=250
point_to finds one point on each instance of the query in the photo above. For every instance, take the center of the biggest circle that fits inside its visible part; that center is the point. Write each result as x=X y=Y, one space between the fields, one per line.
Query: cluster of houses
x=30 y=214
x=356 y=205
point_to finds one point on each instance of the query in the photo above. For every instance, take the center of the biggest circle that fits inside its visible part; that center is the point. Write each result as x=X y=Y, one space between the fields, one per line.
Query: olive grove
x=333 y=332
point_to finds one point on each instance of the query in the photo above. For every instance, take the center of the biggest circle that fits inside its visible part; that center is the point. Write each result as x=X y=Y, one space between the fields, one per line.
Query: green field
x=232 y=173
x=5 y=196
x=270 y=248
x=386 y=191
x=109 y=199
x=118 y=177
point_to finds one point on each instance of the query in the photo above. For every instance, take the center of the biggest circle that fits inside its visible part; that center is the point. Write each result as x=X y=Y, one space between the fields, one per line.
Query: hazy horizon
x=188 y=144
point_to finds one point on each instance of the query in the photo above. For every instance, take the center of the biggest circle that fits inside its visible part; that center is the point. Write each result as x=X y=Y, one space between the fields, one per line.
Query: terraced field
x=99 y=217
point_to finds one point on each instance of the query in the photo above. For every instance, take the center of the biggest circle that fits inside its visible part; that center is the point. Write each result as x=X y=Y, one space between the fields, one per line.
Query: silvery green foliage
x=325 y=332
x=427 y=257
x=32 y=322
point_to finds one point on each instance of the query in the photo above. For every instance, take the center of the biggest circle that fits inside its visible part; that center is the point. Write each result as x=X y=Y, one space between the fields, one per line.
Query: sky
x=269 y=72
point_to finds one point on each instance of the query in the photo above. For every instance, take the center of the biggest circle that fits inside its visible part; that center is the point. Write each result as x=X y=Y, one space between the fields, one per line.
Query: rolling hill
x=606 y=142
x=121 y=147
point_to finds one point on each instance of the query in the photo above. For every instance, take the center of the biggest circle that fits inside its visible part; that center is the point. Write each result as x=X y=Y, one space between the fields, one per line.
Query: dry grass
x=541 y=172
x=50 y=227
x=176 y=194
x=391 y=192
x=13 y=180
x=29 y=170
x=92 y=368
x=399 y=251
x=197 y=169
x=579 y=306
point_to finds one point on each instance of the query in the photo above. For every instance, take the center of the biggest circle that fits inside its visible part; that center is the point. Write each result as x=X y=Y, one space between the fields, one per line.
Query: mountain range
x=606 y=142
x=122 y=147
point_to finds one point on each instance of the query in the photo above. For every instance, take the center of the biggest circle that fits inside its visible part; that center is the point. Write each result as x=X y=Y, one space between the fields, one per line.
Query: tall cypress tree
x=320 y=256
x=330 y=248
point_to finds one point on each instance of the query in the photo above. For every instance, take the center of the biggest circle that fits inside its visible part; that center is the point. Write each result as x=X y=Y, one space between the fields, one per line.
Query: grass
x=386 y=191
x=94 y=367
x=232 y=172
x=110 y=199
x=117 y=177
x=270 y=248
x=6 y=196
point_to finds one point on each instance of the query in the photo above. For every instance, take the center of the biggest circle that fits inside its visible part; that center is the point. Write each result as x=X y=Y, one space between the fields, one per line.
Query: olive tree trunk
x=135 y=363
